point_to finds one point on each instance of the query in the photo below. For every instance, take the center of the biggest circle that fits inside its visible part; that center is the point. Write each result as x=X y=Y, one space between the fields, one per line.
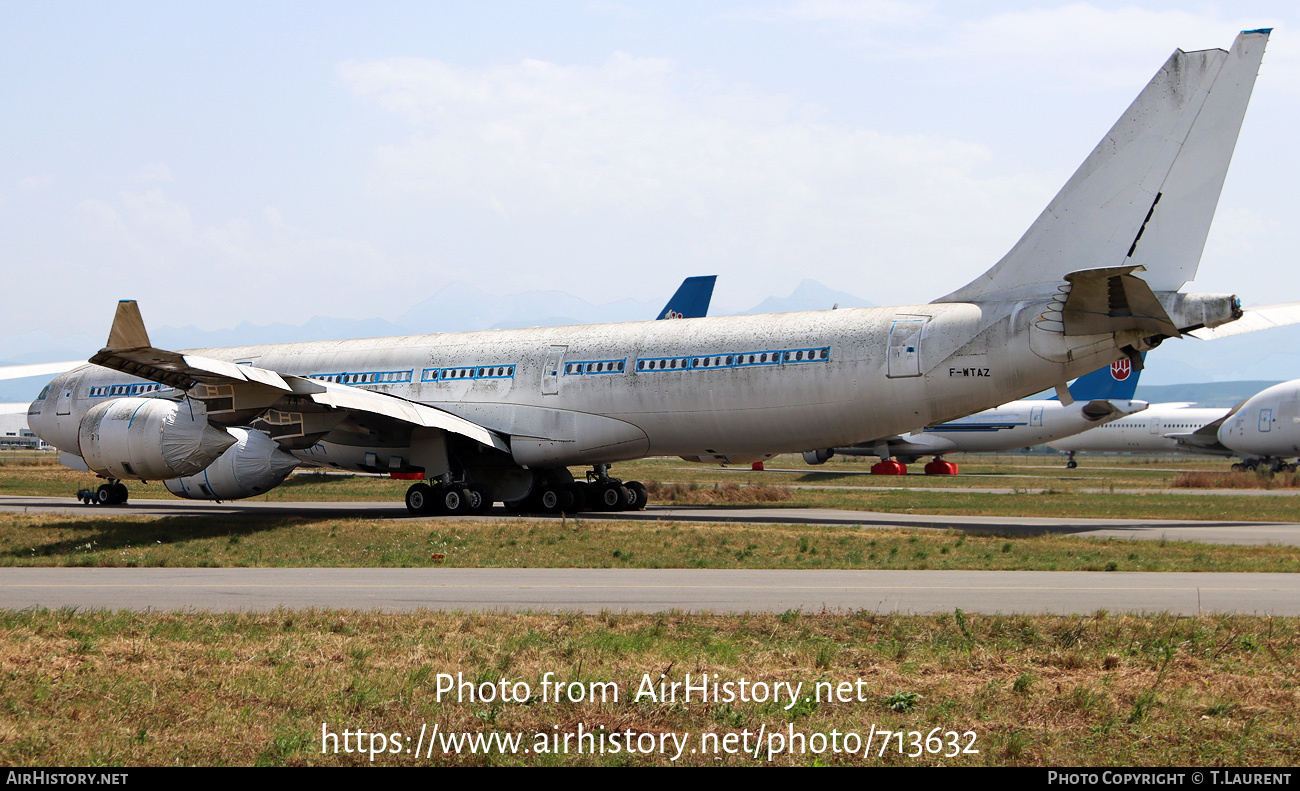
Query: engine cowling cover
x=254 y=465
x=818 y=456
x=149 y=439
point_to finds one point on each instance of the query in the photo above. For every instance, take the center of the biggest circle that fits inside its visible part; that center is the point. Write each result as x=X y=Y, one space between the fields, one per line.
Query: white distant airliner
x=501 y=415
x=1266 y=425
x=1262 y=430
x=1100 y=397
x=1156 y=430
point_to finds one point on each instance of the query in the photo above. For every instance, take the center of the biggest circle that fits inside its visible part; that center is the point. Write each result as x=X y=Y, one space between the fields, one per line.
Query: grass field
x=127 y=689
x=254 y=540
x=1102 y=690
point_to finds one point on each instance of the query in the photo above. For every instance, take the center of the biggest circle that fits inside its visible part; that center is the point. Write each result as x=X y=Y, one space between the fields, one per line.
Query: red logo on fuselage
x=1120 y=369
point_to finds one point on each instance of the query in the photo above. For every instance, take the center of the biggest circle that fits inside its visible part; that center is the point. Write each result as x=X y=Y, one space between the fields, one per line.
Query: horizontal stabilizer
x=38 y=369
x=1104 y=301
x=1264 y=317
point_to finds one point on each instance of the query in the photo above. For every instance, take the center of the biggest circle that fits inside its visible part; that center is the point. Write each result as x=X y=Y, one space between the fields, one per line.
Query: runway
x=646 y=591
x=1215 y=532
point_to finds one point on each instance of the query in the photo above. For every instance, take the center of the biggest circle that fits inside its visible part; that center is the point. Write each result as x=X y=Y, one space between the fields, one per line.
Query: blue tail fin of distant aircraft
x=691 y=300
x=1119 y=380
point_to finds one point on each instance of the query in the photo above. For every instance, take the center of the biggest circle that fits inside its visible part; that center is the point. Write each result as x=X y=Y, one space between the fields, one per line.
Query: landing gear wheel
x=610 y=496
x=640 y=497
x=478 y=502
x=453 y=500
x=1238 y=468
x=577 y=497
x=110 y=494
x=550 y=500
x=1071 y=464
x=419 y=499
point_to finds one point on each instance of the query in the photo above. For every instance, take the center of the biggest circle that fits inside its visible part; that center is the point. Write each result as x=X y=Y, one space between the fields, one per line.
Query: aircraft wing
x=1206 y=438
x=244 y=391
x=38 y=369
x=1263 y=317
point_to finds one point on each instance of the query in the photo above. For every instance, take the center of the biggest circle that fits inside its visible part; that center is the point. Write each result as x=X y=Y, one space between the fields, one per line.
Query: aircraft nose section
x=42 y=415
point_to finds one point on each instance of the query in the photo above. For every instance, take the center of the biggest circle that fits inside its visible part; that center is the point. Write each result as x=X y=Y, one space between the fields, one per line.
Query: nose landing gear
x=112 y=493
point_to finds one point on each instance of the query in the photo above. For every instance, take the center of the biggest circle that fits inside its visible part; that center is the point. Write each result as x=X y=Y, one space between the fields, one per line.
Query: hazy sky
x=276 y=161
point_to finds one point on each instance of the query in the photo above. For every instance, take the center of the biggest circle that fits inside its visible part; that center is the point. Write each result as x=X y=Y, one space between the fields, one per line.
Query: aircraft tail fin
x=691 y=301
x=1118 y=380
x=1146 y=194
x=128 y=330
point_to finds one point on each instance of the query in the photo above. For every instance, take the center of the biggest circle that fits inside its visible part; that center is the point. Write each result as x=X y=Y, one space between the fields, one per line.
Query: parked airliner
x=1100 y=397
x=1263 y=430
x=501 y=415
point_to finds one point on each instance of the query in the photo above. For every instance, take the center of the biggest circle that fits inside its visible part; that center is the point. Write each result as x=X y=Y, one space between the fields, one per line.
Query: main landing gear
x=1070 y=463
x=1273 y=465
x=555 y=492
x=445 y=497
x=552 y=492
x=112 y=493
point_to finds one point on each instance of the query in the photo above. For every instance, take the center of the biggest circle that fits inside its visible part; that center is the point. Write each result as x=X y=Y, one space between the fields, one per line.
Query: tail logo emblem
x=1120 y=369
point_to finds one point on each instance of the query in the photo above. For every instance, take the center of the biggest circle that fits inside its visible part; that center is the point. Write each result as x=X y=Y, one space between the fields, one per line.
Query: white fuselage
x=723 y=388
x=1147 y=432
x=1021 y=424
x=1266 y=424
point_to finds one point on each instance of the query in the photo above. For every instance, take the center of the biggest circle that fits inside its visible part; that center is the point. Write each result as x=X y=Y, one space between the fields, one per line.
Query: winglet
x=128 y=330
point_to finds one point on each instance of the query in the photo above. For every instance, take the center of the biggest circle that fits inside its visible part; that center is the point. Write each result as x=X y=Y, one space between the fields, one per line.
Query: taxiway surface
x=650 y=590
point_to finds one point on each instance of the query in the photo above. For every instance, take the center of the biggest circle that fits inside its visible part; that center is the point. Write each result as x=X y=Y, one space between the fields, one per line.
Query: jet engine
x=818 y=456
x=254 y=465
x=149 y=439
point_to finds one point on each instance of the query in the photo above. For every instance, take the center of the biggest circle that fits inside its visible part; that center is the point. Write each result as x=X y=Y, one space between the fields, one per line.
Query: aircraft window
x=44 y=392
x=620 y=365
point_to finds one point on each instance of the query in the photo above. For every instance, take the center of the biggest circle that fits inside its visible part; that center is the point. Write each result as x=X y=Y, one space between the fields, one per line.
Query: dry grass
x=254 y=540
x=162 y=689
x=1235 y=480
x=717 y=493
